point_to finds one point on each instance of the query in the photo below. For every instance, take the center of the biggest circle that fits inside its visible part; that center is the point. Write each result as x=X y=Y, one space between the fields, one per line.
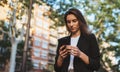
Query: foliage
x=4 y=45
x=11 y=33
x=20 y=10
x=57 y=11
x=106 y=27
x=26 y=3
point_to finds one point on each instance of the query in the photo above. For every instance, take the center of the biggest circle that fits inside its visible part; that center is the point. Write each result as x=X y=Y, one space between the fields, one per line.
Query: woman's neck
x=76 y=34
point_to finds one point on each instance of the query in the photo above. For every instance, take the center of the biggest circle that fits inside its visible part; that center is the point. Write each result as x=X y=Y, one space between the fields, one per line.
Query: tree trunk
x=13 y=56
x=26 y=39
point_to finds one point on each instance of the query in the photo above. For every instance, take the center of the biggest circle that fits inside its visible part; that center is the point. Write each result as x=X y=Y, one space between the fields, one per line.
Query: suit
x=87 y=44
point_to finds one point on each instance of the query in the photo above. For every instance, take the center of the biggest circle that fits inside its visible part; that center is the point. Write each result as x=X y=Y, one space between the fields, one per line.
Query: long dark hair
x=81 y=20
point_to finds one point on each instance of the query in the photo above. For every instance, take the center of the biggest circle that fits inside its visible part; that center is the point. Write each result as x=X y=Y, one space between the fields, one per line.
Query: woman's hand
x=62 y=55
x=75 y=51
x=63 y=52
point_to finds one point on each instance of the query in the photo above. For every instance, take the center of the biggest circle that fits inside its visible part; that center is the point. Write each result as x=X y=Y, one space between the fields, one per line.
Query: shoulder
x=89 y=36
x=92 y=37
x=63 y=38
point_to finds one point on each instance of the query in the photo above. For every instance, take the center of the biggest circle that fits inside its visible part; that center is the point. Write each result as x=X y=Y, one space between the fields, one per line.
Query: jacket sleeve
x=94 y=55
x=56 y=68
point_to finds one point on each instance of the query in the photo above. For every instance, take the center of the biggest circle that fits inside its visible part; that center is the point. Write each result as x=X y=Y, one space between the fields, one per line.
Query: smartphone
x=64 y=47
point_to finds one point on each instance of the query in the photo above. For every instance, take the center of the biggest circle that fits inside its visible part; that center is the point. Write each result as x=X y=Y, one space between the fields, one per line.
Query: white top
x=73 y=42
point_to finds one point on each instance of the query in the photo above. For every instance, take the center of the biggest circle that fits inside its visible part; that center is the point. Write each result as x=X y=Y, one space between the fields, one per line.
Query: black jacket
x=87 y=44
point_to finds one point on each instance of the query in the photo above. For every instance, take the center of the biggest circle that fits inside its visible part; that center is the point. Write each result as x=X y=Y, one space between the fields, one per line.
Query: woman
x=78 y=52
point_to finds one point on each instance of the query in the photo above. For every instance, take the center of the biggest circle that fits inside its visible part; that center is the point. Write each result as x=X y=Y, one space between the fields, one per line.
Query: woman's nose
x=71 y=23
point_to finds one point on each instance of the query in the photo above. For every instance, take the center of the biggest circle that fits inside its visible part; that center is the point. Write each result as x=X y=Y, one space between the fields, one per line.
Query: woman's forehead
x=71 y=16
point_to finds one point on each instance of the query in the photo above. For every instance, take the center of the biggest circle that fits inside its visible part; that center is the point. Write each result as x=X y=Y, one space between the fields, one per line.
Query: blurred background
x=29 y=30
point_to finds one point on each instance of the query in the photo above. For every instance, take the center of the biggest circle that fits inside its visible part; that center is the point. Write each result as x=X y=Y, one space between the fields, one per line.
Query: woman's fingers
x=63 y=51
x=75 y=51
x=62 y=48
x=63 y=54
x=67 y=49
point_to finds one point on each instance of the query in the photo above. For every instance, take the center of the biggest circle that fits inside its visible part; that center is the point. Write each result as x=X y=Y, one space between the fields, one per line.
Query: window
x=45 y=34
x=40 y=13
x=39 y=22
x=44 y=64
x=44 y=44
x=45 y=25
x=36 y=52
x=38 y=31
x=36 y=63
x=37 y=41
x=53 y=40
x=36 y=66
x=44 y=54
x=53 y=32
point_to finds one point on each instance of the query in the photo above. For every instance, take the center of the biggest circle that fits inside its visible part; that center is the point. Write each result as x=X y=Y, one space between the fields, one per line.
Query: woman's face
x=72 y=23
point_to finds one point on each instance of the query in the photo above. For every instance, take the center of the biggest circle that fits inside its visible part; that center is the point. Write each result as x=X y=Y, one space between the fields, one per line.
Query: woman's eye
x=75 y=20
x=68 y=21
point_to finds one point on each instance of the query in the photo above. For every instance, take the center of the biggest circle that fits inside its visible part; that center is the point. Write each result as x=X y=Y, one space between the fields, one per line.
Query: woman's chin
x=73 y=32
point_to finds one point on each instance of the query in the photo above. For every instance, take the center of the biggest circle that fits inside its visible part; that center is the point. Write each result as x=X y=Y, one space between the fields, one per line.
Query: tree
x=106 y=27
x=17 y=9
x=26 y=38
x=14 y=35
x=4 y=45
